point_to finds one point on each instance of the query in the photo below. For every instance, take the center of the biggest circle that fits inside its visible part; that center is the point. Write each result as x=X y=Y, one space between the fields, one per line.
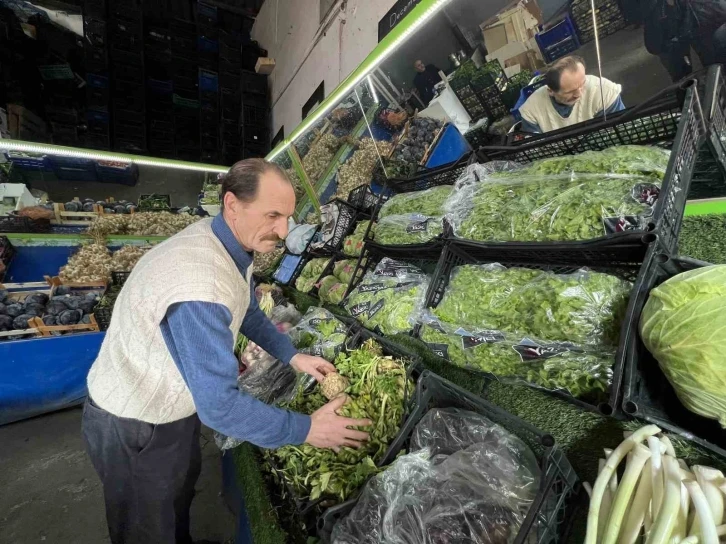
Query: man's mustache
x=271 y=238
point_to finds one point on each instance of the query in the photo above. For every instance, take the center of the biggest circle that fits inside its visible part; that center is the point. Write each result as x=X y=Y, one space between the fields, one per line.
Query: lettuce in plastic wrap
x=412 y=228
x=428 y=202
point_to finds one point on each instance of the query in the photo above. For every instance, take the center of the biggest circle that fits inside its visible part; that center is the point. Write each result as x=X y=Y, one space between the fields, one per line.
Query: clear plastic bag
x=525 y=206
x=310 y=274
x=471 y=482
x=582 y=371
x=343 y=270
x=329 y=219
x=412 y=228
x=389 y=298
x=319 y=333
x=299 y=237
x=583 y=307
x=353 y=244
x=428 y=202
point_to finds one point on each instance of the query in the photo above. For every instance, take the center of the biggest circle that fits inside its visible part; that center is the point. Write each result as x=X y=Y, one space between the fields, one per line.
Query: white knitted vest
x=538 y=108
x=134 y=375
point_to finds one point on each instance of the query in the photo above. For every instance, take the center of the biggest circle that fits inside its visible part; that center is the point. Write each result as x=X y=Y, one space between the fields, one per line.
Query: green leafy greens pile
x=575 y=197
x=310 y=274
x=411 y=228
x=389 y=298
x=429 y=202
x=377 y=391
x=332 y=288
x=319 y=333
x=353 y=244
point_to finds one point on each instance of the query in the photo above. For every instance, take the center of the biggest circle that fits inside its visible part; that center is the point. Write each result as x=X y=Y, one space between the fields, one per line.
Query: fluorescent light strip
x=343 y=91
x=373 y=90
x=30 y=147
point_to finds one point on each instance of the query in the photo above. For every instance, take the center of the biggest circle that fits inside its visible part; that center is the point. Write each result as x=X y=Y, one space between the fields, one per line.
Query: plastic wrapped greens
x=583 y=307
x=412 y=228
x=428 y=202
x=524 y=206
x=581 y=371
x=468 y=480
x=343 y=270
x=319 y=333
x=332 y=290
x=389 y=298
x=353 y=244
x=310 y=274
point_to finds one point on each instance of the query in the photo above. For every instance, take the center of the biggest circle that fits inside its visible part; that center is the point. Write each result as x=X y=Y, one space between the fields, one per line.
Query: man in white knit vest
x=569 y=96
x=167 y=362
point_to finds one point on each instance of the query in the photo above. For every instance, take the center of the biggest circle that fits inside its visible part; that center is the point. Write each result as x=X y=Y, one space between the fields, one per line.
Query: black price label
x=315 y=321
x=529 y=350
x=621 y=224
x=417 y=226
x=440 y=350
x=372 y=287
x=376 y=308
x=360 y=308
x=474 y=340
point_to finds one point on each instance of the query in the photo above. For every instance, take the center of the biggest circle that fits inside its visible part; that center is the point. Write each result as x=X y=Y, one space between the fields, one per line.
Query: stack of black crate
x=185 y=84
x=59 y=58
x=255 y=115
x=128 y=96
x=208 y=45
x=230 y=58
x=97 y=134
x=159 y=86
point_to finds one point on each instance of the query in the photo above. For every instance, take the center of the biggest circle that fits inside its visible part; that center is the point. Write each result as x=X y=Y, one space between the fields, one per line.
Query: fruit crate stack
x=489 y=83
x=159 y=87
x=610 y=18
x=208 y=46
x=128 y=95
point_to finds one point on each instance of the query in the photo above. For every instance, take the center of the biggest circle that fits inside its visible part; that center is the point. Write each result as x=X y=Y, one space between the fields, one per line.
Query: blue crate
x=73 y=169
x=206 y=45
x=23 y=161
x=559 y=40
x=114 y=172
x=450 y=147
x=208 y=81
x=96 y=81
x=286 y=268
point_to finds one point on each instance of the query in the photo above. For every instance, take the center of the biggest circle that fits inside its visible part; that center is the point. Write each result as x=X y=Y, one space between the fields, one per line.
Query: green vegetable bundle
x=319 y=333
x=428 y=202
x=525 y=207
x=353 y=244
x=583 y=372
x=343 y=270
x=332 y=290
x=310 y=274
x=585 y=307
x=389 y=298
x=412 y=228
x=682 y=325
x=378 y=388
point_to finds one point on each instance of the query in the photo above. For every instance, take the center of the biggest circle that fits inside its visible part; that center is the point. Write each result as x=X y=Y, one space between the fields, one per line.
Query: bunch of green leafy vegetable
x=332 y=288
x=377 y=391
x=319 y=333
x=389 y=298
x=583 y=372
x=584 y=307
x=310 y=274
x=428 y=202
x=522 y=207
x=353 y=244
x=406 y=229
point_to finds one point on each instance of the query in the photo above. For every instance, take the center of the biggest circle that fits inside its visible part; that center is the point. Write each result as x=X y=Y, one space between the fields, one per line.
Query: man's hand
x=317 y=367
x=329 y=430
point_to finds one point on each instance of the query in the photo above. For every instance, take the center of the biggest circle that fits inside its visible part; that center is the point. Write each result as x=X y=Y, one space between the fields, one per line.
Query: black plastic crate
x=624 y=261
x=347 y=217
x=647 y=394
x=547 y=519
x=16 y=223
x=95 y=31
x=253 y=83
x=646 y=124
x=432 y=177
x=255 y=116
x=363 y=198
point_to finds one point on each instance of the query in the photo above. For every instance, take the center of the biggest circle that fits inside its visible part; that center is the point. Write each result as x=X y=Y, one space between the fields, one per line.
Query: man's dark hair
x=243 y=179
x=553 y=76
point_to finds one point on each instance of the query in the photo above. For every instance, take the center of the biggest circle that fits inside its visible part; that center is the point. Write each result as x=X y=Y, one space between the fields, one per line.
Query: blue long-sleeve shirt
x=565 y=112
x=198 y=337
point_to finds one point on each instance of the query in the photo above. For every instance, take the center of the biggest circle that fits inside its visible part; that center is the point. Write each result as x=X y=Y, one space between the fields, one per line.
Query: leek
x=641 y=502
x=667 y=517
x=708 y=533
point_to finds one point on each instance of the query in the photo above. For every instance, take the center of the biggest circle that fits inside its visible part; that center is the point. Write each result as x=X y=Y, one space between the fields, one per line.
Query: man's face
x=572 y=85
x=259 y=225
x=420 y=66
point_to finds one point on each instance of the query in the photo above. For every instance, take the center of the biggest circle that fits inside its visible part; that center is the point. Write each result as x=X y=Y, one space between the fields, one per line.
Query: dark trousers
x=148 y=474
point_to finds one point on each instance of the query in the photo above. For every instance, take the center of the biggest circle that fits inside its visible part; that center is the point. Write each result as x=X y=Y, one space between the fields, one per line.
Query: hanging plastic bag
x=472 y=482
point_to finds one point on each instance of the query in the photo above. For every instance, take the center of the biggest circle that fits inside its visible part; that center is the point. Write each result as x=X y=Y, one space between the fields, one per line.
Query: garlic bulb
x=92 y=262
x=358 y=170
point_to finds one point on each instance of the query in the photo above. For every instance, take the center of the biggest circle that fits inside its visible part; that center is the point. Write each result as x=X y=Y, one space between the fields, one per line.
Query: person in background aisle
x=425 y=80
x=569 y=96
x=168 y=361
x=673 y=27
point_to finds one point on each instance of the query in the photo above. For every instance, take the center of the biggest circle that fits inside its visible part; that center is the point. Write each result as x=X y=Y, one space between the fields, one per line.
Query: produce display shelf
x=643 y=125
x=647 y=394
x=311 y=510
x=625 y=264
x=547 y=519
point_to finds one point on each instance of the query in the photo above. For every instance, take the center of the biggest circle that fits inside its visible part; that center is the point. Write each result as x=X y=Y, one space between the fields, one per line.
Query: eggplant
x=89 y=206
x=69 y=317
x=73 y=206
x=38 y=298
x=33 y=308
x=6 y=323
x=62 y=290
x=21 y=322
x=14 y=310
x=73 y=302
x=50 y=320
x=86 y=319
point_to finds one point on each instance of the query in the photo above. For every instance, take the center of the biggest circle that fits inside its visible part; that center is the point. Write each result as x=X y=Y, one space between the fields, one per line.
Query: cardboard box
x=495 y=37
x=265 y=65
x=25 y=125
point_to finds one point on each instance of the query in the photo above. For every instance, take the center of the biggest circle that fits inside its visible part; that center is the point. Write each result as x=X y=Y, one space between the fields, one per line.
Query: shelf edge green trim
x=706 y=207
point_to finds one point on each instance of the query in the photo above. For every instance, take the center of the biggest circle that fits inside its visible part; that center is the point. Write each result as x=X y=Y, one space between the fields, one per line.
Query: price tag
x=440 y=350
x=360 y=308
x=529 y=350
x=375 y=308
